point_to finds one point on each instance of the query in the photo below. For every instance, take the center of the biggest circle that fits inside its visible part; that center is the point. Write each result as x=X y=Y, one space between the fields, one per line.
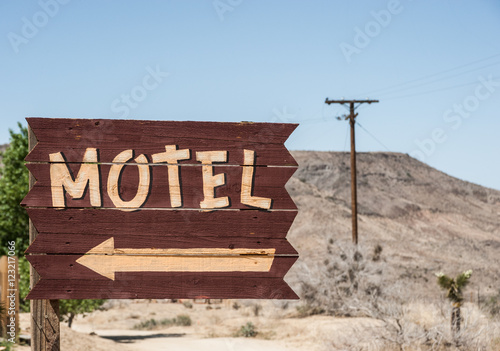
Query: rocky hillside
x=424 y=220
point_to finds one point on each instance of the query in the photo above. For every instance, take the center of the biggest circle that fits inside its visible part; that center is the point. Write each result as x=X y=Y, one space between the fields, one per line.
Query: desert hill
x=424 y=220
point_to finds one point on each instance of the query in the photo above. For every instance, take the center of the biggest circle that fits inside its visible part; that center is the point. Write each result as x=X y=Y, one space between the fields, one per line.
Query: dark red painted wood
x=64 y=243
x=150 y=285
x=167 y=223
x=73 y=136
x=65 y=267
x=268 y=182
x=68 y=233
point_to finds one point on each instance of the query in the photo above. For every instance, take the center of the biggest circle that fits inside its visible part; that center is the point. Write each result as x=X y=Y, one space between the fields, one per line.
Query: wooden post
x=45 y=333
x=354 y=193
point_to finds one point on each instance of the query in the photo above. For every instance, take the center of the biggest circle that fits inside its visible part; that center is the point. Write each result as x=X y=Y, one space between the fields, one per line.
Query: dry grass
x=420 y=326
x=353 y=283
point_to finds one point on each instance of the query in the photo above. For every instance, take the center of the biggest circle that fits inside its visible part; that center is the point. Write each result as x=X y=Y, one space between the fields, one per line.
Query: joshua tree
x=454 y=289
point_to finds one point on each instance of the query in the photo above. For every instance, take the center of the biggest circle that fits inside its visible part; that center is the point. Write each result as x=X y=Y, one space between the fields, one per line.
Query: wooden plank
x=167 y=223
x=73 y=136
x=45 y=328
x=107 y=260
x=150 y=285
x=268 y=182
x=66 y=267
x=64 y=243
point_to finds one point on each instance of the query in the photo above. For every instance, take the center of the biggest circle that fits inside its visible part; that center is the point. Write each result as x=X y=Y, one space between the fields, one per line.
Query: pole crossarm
x=350 y=101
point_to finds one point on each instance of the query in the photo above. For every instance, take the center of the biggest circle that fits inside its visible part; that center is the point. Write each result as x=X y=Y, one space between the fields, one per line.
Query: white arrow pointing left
x=106 y=260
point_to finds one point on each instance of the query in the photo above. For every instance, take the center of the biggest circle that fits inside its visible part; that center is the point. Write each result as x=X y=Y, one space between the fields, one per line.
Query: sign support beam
x=45 y=328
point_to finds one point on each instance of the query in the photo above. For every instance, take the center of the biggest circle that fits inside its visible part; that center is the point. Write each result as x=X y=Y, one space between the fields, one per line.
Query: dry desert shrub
x=491 y=304
x=353 y=285
x=420 y=326
x=478 y=331
x=348 y=284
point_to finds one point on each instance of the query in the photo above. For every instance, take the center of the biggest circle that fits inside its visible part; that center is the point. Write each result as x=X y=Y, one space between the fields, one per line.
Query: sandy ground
x=213 y=328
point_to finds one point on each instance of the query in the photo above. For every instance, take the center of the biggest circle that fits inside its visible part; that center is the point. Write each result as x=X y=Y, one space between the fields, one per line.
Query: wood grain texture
x=109 y=265
x=63 y=243
x=192 y=209
x=108 y=247
x=151 y=285
x=45 y=328
x=166 y=223
x=107 y=260
x=73 y=136
x=268 y=182
x=46 y=333
x=57 y=267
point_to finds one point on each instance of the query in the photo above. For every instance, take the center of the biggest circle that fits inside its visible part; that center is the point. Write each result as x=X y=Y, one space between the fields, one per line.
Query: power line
x=431 y=91
x=430 y=75
x=373 y=136
x=344 y=153
x=443 y=78
x=345 y=140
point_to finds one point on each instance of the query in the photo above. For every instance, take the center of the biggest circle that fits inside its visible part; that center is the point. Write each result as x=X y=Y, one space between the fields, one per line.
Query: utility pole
x=354 y=196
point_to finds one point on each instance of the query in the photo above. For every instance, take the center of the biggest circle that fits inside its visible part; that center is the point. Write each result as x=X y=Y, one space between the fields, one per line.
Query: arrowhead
x=100 y=264
x=106 y=247
x=96 y=260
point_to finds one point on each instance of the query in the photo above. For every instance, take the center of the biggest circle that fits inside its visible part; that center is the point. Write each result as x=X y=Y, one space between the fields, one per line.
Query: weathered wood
x=45 y=331
x=268 y=181
x=153 y=209
x=109 y=265
x=108 y=248
x=69 y=268
x=167 y=223
x=247 y=182
x=73 y=136
x=144 y=285
x=106 y=259
x=64 y=243
x=45 y=319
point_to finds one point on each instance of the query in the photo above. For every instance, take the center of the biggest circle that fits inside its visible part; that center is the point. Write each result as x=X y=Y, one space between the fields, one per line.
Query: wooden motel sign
x=160 y=209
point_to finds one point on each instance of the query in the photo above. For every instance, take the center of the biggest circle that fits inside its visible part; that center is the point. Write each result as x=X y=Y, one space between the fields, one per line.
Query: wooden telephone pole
x=354 y=196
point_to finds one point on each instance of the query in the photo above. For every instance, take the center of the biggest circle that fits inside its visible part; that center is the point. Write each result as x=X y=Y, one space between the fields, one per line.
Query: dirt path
x=163 y=341
x=213 y=327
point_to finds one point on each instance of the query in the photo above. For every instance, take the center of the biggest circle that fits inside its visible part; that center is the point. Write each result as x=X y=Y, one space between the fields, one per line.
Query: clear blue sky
x=256 y=60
